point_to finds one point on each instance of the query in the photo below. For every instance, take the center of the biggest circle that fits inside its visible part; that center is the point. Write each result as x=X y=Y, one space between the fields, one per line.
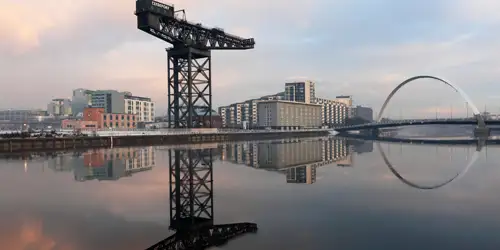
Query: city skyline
x=345 y=47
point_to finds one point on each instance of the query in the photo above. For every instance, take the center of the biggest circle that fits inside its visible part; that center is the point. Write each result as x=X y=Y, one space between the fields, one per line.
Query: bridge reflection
x=480 y=144
x=297 y=159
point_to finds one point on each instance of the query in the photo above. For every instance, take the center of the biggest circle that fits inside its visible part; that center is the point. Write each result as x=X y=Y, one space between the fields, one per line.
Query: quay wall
x=65 y=143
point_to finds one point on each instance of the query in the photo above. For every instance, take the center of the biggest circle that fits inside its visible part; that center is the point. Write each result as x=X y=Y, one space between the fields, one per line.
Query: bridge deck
x=414 y=122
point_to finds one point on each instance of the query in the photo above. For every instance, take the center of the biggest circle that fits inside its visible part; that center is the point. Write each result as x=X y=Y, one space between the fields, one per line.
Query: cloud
x=481 y=11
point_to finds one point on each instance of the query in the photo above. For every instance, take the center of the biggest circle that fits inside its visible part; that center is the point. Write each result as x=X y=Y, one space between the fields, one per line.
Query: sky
x=362 y=48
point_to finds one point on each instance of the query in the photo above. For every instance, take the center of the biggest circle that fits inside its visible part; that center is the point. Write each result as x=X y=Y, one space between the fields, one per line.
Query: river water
x=319 y=193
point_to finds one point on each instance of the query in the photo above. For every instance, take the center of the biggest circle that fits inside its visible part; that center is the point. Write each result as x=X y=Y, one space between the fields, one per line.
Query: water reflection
x=97 y=164
x=436 y=186
x=192 y=204
x=112 y=164
x=298 y=159
x=110 y=199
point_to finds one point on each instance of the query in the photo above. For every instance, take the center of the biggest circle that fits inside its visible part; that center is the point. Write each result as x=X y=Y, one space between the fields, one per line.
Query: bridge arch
x=475 y=110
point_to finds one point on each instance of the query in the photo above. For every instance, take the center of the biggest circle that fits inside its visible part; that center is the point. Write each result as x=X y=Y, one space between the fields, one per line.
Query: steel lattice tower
x=189 y=60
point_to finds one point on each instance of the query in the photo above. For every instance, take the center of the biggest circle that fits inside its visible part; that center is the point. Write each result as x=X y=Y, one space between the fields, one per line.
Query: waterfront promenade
x=127 y=138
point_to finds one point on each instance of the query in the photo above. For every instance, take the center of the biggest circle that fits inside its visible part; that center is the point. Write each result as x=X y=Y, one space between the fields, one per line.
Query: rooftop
x=290 y=102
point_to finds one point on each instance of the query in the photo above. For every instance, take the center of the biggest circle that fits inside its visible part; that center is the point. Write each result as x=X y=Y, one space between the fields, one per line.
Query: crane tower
x=189 y=60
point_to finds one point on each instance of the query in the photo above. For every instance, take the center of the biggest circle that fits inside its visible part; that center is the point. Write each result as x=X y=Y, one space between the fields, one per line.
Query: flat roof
x=137 y=98
x=290 y=102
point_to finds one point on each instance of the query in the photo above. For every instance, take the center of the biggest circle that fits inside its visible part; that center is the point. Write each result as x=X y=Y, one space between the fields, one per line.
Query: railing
x=140 y=132
x=405 y=121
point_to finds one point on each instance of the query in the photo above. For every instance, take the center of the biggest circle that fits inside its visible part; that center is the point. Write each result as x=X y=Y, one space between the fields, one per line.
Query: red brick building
x=105 y=120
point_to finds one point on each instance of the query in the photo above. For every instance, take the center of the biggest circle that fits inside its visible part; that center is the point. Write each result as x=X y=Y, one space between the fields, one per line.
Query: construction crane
x=189 y=60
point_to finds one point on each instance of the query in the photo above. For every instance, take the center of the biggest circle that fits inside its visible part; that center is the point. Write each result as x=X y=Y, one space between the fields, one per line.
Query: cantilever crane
x=189 y=60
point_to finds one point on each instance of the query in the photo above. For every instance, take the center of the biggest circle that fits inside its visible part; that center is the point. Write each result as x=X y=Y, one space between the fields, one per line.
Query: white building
x=347 y=100
x=223 y=115
x=235 y=115
x=143 y=107
x=288 y=115
x=252 y=113
x=333 y=112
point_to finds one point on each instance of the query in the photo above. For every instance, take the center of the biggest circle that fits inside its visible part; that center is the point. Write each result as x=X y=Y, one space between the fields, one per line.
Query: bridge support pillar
x=482 y=132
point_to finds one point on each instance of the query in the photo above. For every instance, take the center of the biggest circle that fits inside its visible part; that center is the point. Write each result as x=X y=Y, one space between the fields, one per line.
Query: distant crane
x=189 y=60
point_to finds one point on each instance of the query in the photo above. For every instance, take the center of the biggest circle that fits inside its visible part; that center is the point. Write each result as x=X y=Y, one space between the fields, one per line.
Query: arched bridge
x=478 y=119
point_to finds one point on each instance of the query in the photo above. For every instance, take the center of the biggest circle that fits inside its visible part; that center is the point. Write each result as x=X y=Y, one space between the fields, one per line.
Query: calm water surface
x=321 y=193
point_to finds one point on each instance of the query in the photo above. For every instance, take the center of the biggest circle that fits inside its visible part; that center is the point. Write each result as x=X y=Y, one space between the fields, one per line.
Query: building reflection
x=298 y=159
x=98 y=164
x=113 y=164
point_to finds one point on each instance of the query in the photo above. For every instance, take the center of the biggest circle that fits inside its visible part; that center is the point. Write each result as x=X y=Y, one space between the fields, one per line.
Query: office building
x=111 y=101
x=236 y=115
x=22 y=115
x=24 y=119
x=332 y=112
x=252 y=113
x=142 y=107
x=59 y=107
x=81 y=99
x=244 y=114
x=347 y=100
x=300 y=92
x=288 y=115
x=365 y=113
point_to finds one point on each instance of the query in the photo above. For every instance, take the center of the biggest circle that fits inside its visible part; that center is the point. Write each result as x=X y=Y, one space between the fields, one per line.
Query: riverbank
x=87 y=142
